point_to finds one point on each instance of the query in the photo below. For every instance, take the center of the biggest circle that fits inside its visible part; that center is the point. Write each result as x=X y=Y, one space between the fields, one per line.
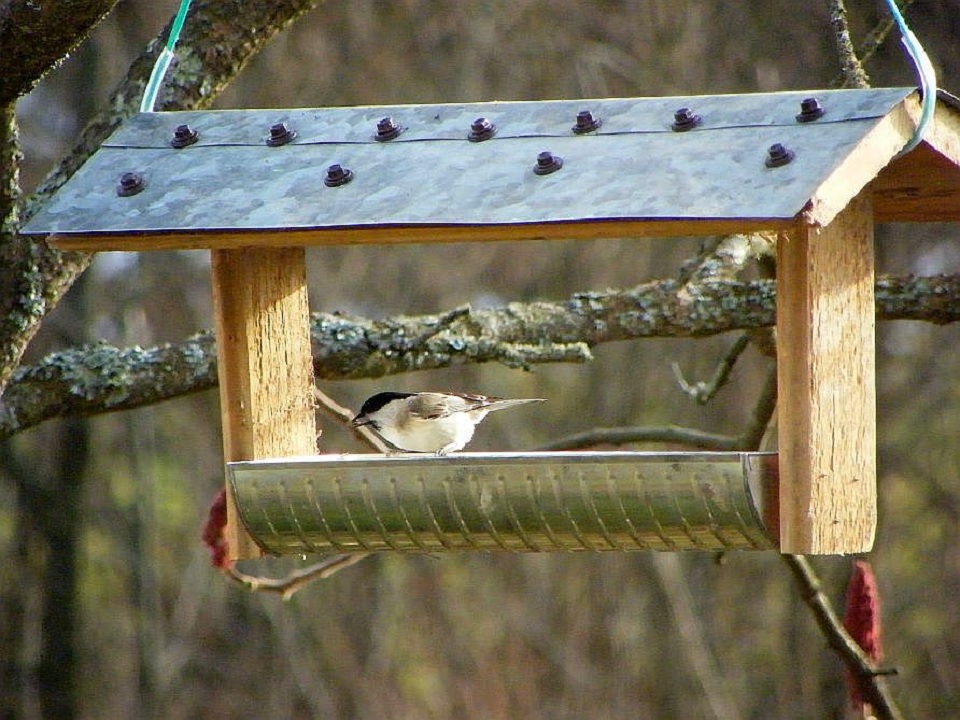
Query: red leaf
x=213 y=531
x=862 y=620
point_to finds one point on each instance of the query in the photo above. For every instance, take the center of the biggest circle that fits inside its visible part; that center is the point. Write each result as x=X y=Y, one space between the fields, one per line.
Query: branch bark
x=102 y=378
x=854 y=76
x=873 y=685
x=37 y=36
x=218 y=39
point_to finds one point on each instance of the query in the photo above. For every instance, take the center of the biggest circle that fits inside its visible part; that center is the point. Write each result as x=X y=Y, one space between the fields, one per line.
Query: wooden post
x=827 y=402
x=264 y=363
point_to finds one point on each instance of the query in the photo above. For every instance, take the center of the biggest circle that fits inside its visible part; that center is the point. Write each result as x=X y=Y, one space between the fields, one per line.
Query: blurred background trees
x=107 y=604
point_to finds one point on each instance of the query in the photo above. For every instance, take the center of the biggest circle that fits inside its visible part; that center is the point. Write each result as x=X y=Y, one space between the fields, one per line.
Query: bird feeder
x=256 y=187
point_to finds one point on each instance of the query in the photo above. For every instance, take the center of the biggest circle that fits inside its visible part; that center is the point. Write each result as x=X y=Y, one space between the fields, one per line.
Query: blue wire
x=926 y=73
x=164 y=60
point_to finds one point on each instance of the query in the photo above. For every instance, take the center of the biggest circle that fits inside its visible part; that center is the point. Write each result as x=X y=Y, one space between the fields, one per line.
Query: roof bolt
x=280 y=134
x=586 y=122
x=337 y=175
x=778 y=155
x=547 y=163
x=685 y=119
x=387 y=129
x=810 y=110
x=184 y=135
x=130 y=184
x=481 y=129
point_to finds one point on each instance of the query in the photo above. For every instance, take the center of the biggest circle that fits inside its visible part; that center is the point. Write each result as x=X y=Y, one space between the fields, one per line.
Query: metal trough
x=520 y=502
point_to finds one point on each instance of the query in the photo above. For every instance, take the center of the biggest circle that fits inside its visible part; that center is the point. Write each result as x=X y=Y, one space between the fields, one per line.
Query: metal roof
x=636 y=166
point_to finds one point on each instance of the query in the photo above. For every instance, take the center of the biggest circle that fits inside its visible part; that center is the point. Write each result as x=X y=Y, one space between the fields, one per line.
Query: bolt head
x=481 y=129
x=684 y=119
x=547 y=163
x=130 y=183
x=810 y=110
x=280 y=134
x=778 y=154
x=184 y=135
x=387 y=129
x=337 y=175
x=586 y=122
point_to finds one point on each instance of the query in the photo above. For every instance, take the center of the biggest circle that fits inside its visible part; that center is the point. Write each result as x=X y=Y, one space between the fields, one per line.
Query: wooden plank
x=264 y=363
x=921 y=186
x=922 y=181
x=386 y=234
x=826 y=385
x=860 y=166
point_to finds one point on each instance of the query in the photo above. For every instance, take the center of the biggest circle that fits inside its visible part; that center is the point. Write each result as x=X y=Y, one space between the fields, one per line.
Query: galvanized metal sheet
x=507 y=501
x=633 y=167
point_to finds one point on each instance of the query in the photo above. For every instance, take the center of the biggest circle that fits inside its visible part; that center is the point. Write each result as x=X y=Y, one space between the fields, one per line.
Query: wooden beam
x=398 y=234
x=264 y=363
x=827 y=404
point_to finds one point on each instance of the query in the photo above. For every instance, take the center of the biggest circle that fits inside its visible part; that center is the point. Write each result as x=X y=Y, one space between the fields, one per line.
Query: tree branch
x=873 y=684
x=37 y=36
x=288 y=585
x=102 y=378
x=218 y=39
x=704 y=392
x=343 y=416
x=689 y=437
x=854 y=76
x=874 y=39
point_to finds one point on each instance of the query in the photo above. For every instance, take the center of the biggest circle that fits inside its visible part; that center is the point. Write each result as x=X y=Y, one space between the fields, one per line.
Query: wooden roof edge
x=943 y=135
x=586 y=229
x=876 y=157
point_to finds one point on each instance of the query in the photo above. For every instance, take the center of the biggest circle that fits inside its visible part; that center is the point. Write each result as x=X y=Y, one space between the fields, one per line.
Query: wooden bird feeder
x=255 y=187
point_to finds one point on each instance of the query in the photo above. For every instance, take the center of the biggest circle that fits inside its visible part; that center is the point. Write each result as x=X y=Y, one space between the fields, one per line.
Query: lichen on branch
x=102 y=378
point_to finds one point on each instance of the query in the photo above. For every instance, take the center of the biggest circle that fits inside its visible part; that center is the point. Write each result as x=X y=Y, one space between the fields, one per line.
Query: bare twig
x=690 y=437
x=872 y=683
x=288 y=585
x=704 y=392
x=718 y=700
x=874 y=39
x=291 y=583
x=763 y=413
x=338 y=411
x=854 y=76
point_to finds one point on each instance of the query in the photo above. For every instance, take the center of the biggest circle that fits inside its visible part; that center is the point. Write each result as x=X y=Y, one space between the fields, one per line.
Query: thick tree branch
x=101 y=378
x=219 y=37
x=36 y=36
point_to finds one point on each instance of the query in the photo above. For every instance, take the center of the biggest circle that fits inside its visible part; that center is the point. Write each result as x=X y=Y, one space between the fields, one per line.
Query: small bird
x=429 y=422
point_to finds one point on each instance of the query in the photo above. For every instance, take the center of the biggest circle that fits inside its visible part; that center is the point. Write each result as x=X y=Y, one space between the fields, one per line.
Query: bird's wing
x=430 y=406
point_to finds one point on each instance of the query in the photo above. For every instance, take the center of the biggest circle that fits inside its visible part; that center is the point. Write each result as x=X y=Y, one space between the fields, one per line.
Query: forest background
x=108 y=603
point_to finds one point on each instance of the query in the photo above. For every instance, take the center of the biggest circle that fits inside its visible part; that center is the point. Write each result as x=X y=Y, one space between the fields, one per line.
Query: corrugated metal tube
x=520 y=502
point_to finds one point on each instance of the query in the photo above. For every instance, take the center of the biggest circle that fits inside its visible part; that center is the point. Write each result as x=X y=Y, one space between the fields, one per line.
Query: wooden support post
x=827 y=394
x=264 y=363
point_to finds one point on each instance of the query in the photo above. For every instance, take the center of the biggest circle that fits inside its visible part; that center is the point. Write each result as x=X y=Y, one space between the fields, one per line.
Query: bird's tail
x=500 y=404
